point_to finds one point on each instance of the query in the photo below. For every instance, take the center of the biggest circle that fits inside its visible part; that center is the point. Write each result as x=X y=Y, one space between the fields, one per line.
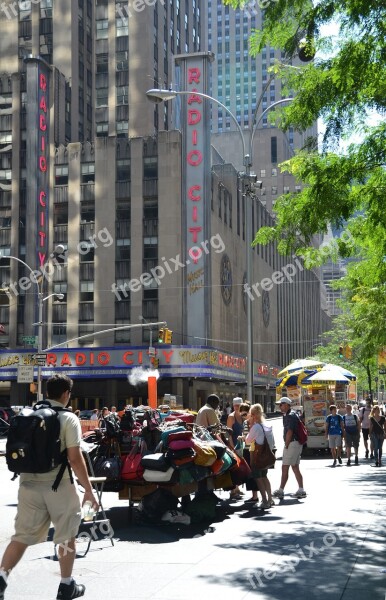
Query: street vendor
x=207 y=415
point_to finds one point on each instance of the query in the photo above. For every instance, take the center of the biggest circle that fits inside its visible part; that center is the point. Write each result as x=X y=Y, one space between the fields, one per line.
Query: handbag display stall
x=262 y=457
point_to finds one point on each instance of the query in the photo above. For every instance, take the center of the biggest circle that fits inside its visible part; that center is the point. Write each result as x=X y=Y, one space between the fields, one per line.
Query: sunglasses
x=244 y=414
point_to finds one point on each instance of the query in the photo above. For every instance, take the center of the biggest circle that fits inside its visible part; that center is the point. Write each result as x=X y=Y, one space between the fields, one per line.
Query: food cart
x=312 y=391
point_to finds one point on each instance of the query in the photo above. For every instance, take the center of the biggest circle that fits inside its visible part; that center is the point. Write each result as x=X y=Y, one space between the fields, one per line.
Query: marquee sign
x=174 y=361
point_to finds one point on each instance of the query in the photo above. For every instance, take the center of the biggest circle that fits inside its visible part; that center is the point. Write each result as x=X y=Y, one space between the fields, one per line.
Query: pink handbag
x=180 y=444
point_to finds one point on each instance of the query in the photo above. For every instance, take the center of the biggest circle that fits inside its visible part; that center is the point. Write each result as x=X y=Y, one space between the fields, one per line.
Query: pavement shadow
x=352 y=556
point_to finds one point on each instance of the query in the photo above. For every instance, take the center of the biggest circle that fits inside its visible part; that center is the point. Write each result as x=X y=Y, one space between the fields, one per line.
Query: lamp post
x=249 y=184
x=41 y=299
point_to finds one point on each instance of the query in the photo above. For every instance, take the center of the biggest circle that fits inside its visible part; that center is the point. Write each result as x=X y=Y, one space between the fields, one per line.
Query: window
x=102 y=129
x=122 y=128
x=274 y=172
x=262 y=173
x=123 y=169
x=122 y=27
x=88 y=173
x=102 y=29
x=102 y=96
x=274 y=152
x=150 y=167
x=102 y=61
x=274 y=190
x=122 y=94
x=86 y=294
x=61 y=175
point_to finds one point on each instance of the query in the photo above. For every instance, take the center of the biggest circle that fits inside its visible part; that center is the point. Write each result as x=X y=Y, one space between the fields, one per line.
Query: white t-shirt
x=256 y=435
x=364 y=415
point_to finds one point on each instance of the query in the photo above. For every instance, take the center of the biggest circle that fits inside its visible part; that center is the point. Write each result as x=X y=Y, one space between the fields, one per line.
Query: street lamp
x=249 y=185
x=38 y=281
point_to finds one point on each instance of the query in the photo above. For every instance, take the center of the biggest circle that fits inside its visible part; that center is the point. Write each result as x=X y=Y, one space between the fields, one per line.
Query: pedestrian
x=39 y=505
x=334 y=431
x=292 y=449
x=207 y=415
x=94 y=415
x=235 y=420
x=251 y=483
x=352 y=428
x=364 y=417
x=377 y=428
x=255 y=437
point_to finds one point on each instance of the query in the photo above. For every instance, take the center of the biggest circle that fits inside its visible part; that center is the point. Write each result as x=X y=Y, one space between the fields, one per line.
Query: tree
x=344 y=189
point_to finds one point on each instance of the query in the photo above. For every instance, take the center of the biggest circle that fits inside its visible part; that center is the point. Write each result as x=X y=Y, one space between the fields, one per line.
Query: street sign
x=25 y=374
x=29 y=339
x=40 y=359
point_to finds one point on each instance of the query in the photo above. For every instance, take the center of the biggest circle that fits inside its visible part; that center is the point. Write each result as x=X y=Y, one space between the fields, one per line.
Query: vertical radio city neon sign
x=194 y=159
x=196 y=189
x=42 y=167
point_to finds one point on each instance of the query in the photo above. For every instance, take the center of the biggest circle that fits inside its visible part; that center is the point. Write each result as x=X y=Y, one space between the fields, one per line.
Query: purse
x=132 y=468
x=262 y=456
x=158 y=476
x=155 y=462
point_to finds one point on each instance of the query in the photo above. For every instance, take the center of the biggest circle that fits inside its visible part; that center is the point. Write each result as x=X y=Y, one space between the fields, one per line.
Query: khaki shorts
x=334 y=441
x=39 y=506
x=291 y=455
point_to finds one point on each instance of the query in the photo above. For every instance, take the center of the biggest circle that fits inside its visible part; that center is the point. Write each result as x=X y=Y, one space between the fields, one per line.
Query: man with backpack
x=39 y=503
x=352 y=430
x=292 y=448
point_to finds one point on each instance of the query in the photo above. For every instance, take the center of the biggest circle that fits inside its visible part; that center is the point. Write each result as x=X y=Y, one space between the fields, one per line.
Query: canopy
x=327 y=376
x=345 y=372
x=295 y=378
x=297 y=365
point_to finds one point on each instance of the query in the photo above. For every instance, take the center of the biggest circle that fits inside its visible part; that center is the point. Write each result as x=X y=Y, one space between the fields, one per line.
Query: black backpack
x=33 y=443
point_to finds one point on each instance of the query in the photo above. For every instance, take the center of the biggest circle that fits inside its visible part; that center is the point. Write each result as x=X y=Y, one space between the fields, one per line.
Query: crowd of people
x=249 y=428
x=347 y=429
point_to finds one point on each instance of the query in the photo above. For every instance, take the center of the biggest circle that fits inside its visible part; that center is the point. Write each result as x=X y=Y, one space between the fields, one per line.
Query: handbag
x=155 y=462
x=205 y=454
x=262 y=457
x=132 y=468
x=158 y=476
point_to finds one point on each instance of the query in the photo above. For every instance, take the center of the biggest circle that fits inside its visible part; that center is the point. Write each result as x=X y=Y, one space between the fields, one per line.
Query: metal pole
x=40 y=343
x=249 y=268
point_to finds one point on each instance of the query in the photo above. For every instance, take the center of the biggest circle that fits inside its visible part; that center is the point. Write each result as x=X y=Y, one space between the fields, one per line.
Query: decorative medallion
x=266 y=308
x=226 y=279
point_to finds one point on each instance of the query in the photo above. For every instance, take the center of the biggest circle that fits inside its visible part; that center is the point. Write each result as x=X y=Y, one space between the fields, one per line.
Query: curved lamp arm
x=165 y=95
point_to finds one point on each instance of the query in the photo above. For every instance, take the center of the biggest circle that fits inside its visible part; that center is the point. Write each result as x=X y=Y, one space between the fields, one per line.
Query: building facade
x=96 y=198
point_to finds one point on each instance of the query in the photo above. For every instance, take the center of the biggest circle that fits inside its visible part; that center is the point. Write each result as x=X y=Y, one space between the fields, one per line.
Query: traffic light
x=161 y=335
x=340 y=351
x=168 y=336
x=348 y=352
x=155 y=362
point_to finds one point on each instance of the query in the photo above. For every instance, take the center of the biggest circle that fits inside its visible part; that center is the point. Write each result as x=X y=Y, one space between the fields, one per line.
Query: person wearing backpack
x=292 y=449
x=39 y=504
x=352 y=430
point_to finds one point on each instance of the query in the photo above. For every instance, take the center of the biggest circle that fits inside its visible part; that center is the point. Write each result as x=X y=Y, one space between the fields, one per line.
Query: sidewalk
x=330 y=545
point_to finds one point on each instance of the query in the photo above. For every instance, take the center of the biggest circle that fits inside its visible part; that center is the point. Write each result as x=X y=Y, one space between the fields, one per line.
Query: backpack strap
x=65 y=464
